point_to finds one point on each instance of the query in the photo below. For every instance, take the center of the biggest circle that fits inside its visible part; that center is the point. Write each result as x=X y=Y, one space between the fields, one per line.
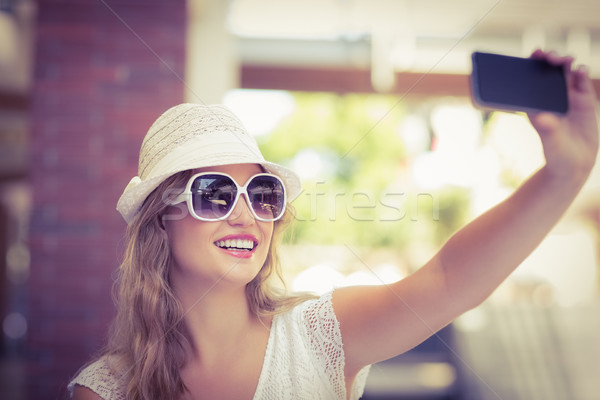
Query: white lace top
x=304 y=360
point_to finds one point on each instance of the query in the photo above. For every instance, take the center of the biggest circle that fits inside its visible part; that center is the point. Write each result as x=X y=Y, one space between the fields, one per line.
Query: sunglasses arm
x=179 y=199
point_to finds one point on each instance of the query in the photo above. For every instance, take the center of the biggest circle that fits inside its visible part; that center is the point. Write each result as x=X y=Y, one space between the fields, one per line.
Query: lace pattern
x=101 y=378
x=305 y=356
x=304 y=360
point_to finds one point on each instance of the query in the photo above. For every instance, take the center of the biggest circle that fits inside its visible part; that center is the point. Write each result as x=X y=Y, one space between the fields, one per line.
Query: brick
x=97 y=88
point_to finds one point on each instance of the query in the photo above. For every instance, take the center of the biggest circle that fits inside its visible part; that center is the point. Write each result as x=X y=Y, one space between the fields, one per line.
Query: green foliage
x=355 y=198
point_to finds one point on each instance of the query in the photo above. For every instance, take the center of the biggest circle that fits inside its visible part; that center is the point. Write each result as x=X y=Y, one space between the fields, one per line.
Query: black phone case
x=518 y=84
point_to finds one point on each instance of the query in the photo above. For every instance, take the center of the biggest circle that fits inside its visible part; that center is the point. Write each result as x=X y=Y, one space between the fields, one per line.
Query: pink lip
x=239 y=253
x=243 y=236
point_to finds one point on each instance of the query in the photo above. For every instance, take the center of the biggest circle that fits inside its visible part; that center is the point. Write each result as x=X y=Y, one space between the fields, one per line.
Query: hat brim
x=214 y=153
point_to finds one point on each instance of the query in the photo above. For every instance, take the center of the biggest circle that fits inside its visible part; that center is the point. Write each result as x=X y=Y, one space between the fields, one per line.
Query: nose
x=241 y=214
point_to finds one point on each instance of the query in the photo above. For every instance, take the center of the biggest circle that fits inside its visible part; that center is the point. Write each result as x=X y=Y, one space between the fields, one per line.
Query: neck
x=216 y=317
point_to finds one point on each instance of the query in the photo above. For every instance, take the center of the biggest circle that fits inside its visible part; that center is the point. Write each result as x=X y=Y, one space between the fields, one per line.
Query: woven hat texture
x=190 y=136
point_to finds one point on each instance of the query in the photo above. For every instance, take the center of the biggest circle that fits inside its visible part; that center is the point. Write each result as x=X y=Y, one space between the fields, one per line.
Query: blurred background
x=367 y=100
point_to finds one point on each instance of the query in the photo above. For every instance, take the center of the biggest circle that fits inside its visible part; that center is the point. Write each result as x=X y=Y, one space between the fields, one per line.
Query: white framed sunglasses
x=212 y=196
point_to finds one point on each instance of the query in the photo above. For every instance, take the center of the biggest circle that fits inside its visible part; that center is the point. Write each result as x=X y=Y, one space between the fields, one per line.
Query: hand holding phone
x=518 y=84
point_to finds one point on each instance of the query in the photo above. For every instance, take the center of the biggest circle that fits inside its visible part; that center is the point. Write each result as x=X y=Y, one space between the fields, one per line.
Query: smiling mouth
x=236 y=244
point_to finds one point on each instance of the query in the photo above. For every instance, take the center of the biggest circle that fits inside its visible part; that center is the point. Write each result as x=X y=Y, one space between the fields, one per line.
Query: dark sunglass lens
x=267 y=196
x=213 y=195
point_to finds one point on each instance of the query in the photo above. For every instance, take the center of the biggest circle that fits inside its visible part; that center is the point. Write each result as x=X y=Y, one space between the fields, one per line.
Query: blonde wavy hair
x=148 y=342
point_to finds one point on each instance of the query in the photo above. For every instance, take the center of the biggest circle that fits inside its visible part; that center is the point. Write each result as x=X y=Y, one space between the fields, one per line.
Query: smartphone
x=518 y=84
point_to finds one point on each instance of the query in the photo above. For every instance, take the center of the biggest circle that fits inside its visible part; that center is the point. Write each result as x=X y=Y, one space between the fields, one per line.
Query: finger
x=544 y=122
x=581 y=79
x=538 y=54
x=553 y=58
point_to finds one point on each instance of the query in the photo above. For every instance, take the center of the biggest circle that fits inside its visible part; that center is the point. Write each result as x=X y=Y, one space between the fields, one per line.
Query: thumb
x=545 y=123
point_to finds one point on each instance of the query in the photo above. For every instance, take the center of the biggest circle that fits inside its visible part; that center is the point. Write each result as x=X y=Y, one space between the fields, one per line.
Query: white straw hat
x=190 y=136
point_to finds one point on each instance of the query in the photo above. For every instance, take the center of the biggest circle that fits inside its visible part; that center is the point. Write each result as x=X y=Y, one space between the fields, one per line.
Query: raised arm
x=380 y=322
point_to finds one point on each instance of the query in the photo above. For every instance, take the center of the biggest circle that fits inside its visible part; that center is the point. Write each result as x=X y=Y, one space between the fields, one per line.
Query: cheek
x=267 y=231
x=177 y=212
x=176 y=245
x=184 y=239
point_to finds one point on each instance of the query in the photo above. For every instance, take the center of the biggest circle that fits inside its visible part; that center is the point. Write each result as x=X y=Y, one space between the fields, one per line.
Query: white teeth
x=236 y=244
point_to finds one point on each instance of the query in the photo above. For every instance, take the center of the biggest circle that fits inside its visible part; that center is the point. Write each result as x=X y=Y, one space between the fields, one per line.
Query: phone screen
x=518 y=84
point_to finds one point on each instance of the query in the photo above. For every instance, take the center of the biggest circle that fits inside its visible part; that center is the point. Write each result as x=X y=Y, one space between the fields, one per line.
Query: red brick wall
x=100 y=81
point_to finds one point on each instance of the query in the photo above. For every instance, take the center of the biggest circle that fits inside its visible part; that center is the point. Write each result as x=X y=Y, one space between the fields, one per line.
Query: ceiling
x=411 y=34
x=427 y=18
x=399 y=35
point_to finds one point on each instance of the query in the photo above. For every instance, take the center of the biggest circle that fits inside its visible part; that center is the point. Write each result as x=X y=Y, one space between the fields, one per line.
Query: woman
x=197 y=315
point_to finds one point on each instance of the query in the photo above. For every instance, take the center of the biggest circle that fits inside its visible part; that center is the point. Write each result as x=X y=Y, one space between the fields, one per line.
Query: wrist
x=565 y=178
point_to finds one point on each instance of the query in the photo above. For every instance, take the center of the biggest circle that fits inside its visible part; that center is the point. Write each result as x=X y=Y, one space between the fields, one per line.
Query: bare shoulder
x=83 y=393
x=380 y=322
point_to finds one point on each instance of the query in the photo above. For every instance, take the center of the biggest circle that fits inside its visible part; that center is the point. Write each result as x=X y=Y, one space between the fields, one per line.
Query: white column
x=212 y=65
